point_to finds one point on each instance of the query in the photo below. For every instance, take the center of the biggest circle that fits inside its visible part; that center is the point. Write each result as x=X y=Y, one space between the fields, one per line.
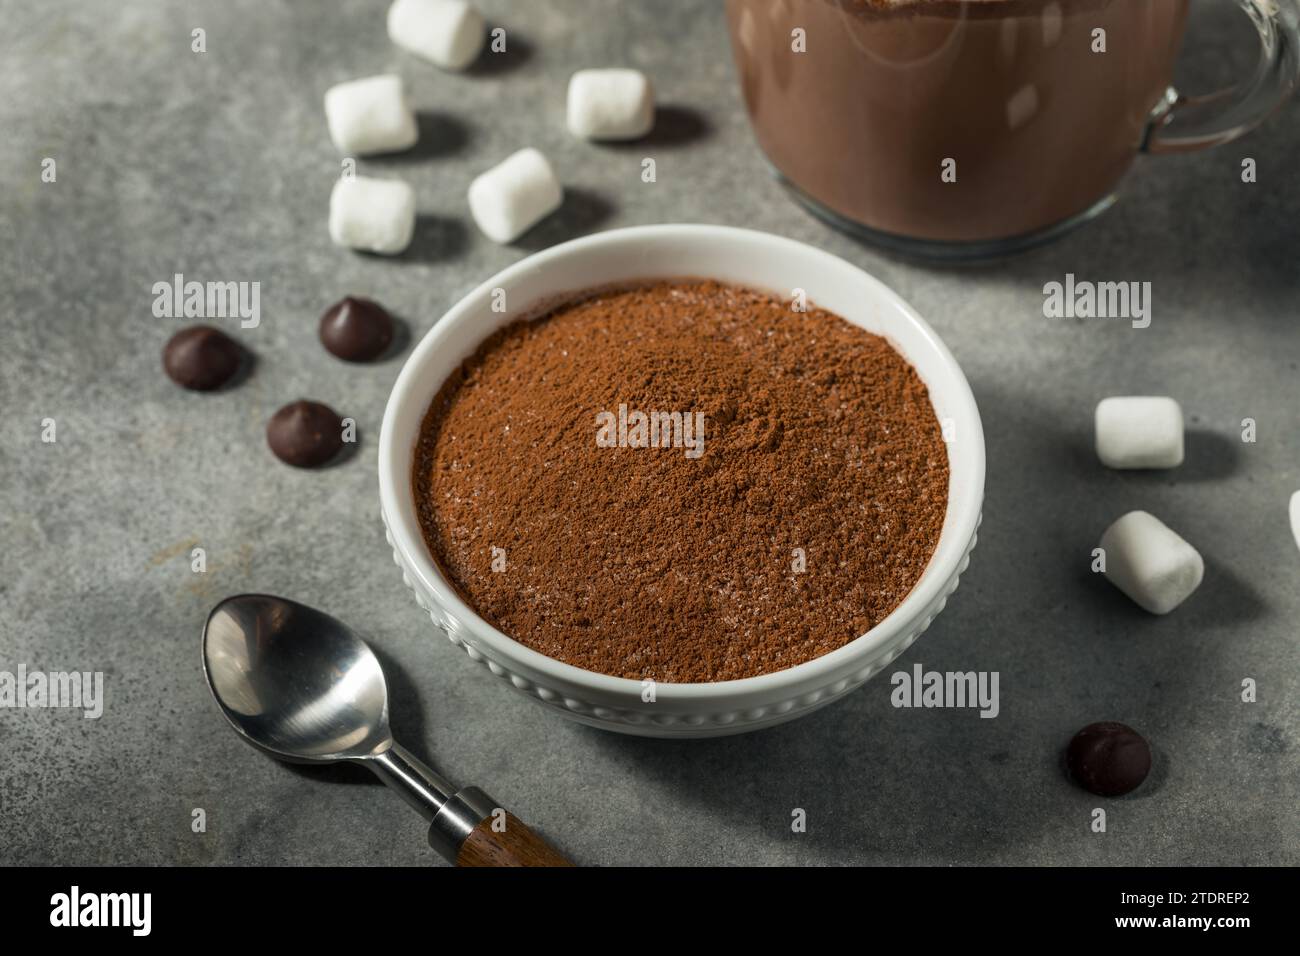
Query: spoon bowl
x=294 y=681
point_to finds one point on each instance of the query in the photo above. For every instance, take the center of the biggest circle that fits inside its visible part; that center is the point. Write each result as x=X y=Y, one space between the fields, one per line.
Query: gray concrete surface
x=218 y=166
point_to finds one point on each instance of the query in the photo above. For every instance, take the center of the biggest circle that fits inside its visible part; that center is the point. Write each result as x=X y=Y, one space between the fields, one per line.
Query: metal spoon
x=300 y=686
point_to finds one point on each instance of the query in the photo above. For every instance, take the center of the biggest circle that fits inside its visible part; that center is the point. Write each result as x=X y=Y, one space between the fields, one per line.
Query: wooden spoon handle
x=504 y=840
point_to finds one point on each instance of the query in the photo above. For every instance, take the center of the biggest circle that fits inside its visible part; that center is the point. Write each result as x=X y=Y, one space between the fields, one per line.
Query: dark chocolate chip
x=356 y=330
x=1108 y=758
x=305 y=434
x=201 y=358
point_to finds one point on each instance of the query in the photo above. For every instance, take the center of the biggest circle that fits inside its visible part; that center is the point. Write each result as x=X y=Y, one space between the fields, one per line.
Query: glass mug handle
x=1181 y=124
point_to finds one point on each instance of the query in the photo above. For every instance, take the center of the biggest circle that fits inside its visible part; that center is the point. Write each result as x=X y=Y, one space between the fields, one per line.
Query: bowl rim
x=409 y=542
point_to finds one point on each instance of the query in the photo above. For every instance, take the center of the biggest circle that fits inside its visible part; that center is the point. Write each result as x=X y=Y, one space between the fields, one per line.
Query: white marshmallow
x=611 y=104
x=370 y=116
x=1150 y=563
x=448 y=32
x=374 y=215
x=1139 y=432
x=510 y=198
x=1295 y=517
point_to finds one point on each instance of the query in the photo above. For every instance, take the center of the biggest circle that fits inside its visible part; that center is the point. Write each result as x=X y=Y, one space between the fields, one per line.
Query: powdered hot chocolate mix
x=686 y=481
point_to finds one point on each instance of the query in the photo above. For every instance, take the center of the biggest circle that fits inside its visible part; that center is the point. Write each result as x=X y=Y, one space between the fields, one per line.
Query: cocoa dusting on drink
x=806 y=515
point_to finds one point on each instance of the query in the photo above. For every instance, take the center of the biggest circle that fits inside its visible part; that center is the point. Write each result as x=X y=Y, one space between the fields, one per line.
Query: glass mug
x=969 y=128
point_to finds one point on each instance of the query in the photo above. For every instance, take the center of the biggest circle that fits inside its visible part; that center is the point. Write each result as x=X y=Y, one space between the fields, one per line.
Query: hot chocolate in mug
x=976 y=127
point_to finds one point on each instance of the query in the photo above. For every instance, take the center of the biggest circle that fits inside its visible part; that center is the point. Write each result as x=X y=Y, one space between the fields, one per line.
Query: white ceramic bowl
x=731 y=255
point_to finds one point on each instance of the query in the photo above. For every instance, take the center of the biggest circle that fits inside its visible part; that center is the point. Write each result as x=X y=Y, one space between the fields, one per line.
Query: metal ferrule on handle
x=452 y=814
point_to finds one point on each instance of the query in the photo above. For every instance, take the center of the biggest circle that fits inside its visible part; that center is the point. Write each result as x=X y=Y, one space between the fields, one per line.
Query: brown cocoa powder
x=643 y=562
